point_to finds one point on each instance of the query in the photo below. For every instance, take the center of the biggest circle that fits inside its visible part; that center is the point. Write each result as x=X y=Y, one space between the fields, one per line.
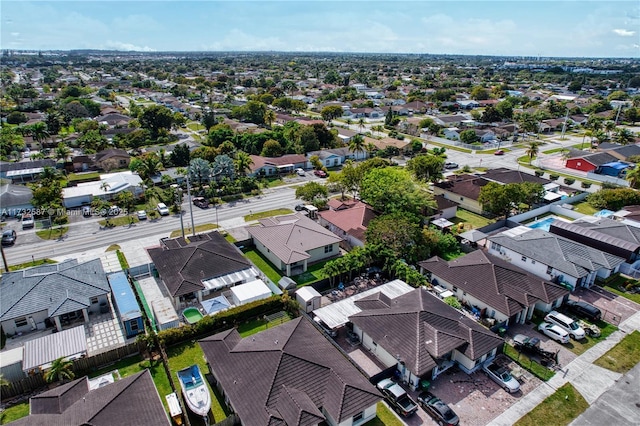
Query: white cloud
x=15 y=34
x=624 y=33
x=118 y=45
x=240 y=40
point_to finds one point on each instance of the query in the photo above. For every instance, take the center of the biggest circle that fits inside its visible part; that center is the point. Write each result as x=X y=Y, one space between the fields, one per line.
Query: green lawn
x=268 y=213
x=120 y=221
x=14 y=412
x=258 y=325
x=85 y=177
x=264 y=265
x=199 y=228
x=385 y=417
x=580 y=346
x=537 y=369
x=312 y=274
x=470 y=220
x=38 y=262
x=52 y=233
x=559 y=409
x=552 y=151
x=623 y=356
x=616 y=286
x=229 y=237
x=195 y=126
x=584 y=208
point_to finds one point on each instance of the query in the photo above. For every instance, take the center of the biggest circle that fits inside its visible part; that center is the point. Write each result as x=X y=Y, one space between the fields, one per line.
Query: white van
x=569 y=325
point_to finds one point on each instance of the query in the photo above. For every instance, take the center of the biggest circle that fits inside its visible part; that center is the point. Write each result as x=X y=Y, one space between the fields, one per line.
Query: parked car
x=8 y=237
x=501 y=376
x=86 y=211
x=299 y=207
x=583 y=310
x=397 y=398
x=567 y=324
x=27 y=221
x=438 y=410
x=300 y=172
x=111 y=211
x=142 y=215
x=200 y=202
x=320 y=173
x=449 y=165
x=163 y=209
x=554 y=331
x=499 y=152
x=531 y=346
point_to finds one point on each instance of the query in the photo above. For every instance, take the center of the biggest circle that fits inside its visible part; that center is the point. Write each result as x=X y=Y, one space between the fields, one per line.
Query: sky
x=545 y=28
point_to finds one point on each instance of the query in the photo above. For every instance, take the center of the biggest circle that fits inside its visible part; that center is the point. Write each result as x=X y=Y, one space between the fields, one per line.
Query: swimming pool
x=543 y=224
x=192 y=315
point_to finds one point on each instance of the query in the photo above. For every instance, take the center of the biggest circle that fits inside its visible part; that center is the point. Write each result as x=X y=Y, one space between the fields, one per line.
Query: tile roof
x=562 y=254
x=290 y=237
x=420 y=328
x=57 y=289
x=43 y=350
x=443 y=203
x=259 y=161
x=133 y=400
x=505 y=176
x=184 y=265
x=494 y=281
x=595 y=158
x=468 y=186
x=265 y=374
x=353 y=220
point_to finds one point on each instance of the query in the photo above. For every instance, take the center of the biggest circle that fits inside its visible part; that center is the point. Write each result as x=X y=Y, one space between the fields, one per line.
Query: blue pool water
x=543 y=224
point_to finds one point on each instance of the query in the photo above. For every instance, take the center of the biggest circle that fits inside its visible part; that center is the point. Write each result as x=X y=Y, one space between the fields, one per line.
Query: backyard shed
x=287 y=283
x=126 y=304
x=249 y=292
x=11 y=364
x=165 y=314
x=308 y=298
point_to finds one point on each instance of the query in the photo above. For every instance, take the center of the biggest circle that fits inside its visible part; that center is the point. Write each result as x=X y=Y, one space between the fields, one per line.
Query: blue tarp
x=604 y=213
x=211 y=306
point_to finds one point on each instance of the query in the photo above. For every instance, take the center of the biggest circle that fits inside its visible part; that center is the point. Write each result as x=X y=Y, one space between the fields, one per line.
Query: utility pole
x=179 y=197
x=4 y=259
x=564 y=125
x=193 y=226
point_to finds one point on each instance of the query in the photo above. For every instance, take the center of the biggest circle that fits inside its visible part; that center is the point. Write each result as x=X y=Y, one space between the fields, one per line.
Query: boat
x=195 y=391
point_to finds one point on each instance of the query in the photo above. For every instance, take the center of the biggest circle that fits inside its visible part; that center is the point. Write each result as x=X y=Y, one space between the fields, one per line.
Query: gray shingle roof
x=291 y=237
x=58 y=289
x=419 y=328
x=133 y=400
x=14 y=195
x=491 y=280
x=562 y=254
x=183 y=266
x=293 y=361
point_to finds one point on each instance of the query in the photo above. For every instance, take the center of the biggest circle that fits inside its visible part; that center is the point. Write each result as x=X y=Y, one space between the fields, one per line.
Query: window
x=455 y=289
x=93 y=300
x=21 y=322
x=496 y=247
x=328 y=249
x=461 y=198
x=549 y=270
x=358 y=417
x=134 y=326
x=524 y=258
x=533 y=262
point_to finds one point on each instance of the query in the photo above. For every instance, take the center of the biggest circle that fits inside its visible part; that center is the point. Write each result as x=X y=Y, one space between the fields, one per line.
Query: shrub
x=539 y=173
x=569 y=181
x=554 y=177
x=585 y=185
x=453 y=302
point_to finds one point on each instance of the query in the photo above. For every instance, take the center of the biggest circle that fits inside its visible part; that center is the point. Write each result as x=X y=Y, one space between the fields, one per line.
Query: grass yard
x=188 y=354
x=24 y=265
x=271 y=182
x=268 y=213
x=386 y=417
x=229 y=238
x=264 y=265
x=616 y=286
x=195 y=126
x=623 y=356
x=580 y=346
x=83 y=177
x=559 y=409
x=199 y=228
x=553 y=151
x=584 y=208
x=258 y=325
x=311 y=275
x=52 y=233
x=534 y=367
x=470 y=220
x=14 y=412
x=119 y=221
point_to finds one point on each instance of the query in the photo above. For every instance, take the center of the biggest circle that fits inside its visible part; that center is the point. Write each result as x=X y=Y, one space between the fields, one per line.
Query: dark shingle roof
x=183 y=266
x=596 y=158
x=468 y=186
x=491 y=280
x=506 y=176
x=263 y=373
x=420 y=328
x=58 y=289
x=133 y=400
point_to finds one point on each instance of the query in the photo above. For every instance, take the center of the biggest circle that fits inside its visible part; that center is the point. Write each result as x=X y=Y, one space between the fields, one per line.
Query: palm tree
x=39 y=131
x=533 y=150
x=356 y=144
x=633 y=176
x=200 y=170
x=243 y=163
x=62 y=151
x=361 y=123
x=609 y=127
x=61 y=369
x=104 y=186
x=49 y=174
x=586 y=133
x=623 y=136
x=269 y=117
x=148 y=166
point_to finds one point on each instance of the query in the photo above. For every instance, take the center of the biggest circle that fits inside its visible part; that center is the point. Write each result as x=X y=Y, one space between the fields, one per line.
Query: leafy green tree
x=500 y=199
x=426 y=167
x=61 y=370
x=614 y=198
x=468 y=136
x=623 y=136
x=479 y=93
x=532 y=193
x=218 y=134
x=252 y=111
x=336 y=182
x=208 y=119
x=633 y=177
x=126 y=200
x=62 y=152
x=92 y=141
x=146 y=166
x=392 y=189
x=180 y=155
x=156 y=118
x=10 y=141
x=271 y=148
x=306 y=140
x=312 y=192
x=17 y=117
x=356 y=144
x=331 y=112
x=243 y=163
x=400 y=233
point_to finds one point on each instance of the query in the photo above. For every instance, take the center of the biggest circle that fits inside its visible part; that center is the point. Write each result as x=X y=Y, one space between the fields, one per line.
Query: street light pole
x=179 y=197
x=193 y=226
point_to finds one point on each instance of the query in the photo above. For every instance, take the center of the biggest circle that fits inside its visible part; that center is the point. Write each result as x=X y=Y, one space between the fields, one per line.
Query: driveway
x=615 y=309
x=565 y=356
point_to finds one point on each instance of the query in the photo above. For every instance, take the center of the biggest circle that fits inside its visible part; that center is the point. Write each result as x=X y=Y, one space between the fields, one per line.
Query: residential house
x=82 y=163
x=14 y=199
x=334 y=157
x=467 y=104
x=111 y=159
x=349 y=221
x=132 y=400
x=114 y=119
x=452 y=133
x=273 y=166
x=199 y=268
x=587 y=161
x=462 y=189
x=24 y=171
x=293 y=242
x=615 y=168
x=345 y=135
x=553 y=257
x=288 y=375
x=107 y=188
x=620 y=152
x=455 y=120
x=418 y=107
x=485 y=135
x=402 y=146
x=494 y=287
x=421 y=335
x=446 y=209
x=51 y=295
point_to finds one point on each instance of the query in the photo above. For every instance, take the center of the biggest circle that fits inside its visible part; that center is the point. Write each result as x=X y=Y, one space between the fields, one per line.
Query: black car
x=438 y=410
x=8 y=237
x=583 y=310
x=299 y=207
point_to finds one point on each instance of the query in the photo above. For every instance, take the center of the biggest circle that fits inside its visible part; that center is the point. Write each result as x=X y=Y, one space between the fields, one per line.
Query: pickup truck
x=27 y=221
x=398 y=398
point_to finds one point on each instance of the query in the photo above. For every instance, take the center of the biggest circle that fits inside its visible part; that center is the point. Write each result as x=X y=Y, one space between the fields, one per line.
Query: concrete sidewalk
x=589 y=379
